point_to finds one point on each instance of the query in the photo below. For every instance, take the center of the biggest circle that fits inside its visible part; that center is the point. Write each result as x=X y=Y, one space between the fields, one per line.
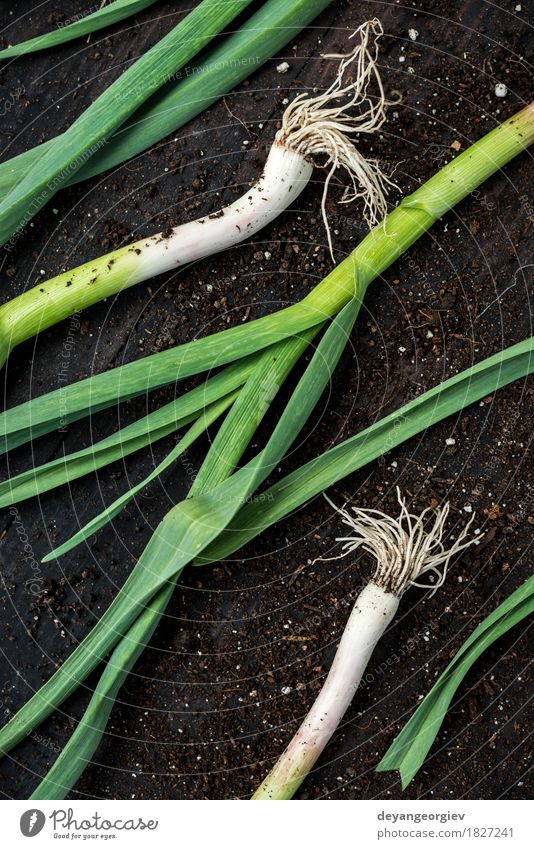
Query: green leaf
x=325 y=470
x=125 y=441
x=274 y=25
x=82 y=744
x=254 y=400
x=95 y=126
x=408 y=751
x=69 y=403
x=209 y=415
x=182 y=535
x=116 y=11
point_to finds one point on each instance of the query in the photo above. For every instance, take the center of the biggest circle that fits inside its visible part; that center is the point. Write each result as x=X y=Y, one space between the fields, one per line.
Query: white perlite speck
x=501 y=90
x=414 y=35
x=283 y=67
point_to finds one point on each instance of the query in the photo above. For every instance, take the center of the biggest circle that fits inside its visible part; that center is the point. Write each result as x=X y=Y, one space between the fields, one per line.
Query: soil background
x=245 y=644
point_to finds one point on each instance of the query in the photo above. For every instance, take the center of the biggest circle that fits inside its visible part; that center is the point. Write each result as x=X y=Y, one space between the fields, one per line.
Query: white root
x=404 y=550
x=323 y=125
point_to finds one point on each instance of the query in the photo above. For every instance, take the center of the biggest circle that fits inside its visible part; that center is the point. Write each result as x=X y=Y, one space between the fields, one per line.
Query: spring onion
x=405 y=552
x=408 y=751
x=381 y=247
x=261 y=512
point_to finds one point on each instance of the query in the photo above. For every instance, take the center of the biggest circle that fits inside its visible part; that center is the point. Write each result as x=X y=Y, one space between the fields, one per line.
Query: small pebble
x=501 y=90
x=283 y=67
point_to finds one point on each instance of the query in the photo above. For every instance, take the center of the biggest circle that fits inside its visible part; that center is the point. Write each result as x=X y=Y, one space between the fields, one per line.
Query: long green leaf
x=322 y=472
x=116 y=11
x=198 y=86
x=209 y=415
x=236 y=432
x=89 y=733
x=253 y=401
x=125 y=441
x=408 y=751
x=182 y=535
x=95 y=126
x=69 y=403
x=76 y=755
x=381 y=247
x=226 y=450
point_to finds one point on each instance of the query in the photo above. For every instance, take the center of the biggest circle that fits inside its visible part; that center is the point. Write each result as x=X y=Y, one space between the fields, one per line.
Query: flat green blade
x=97 y=123
x=67 y=404
x=408 y=751
x=274 y=25
x=127 y=440
x=183 y=533
x=199 y=426
x=105 y=17
x=315 y=477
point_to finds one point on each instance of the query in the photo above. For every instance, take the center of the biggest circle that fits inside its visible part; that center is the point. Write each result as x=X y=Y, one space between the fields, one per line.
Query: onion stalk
x=311 y=127
x=402 y=227
x=404 y=552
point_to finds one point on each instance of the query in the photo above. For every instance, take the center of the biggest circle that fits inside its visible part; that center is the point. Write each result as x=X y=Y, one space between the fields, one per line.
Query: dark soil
x=246 y=643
